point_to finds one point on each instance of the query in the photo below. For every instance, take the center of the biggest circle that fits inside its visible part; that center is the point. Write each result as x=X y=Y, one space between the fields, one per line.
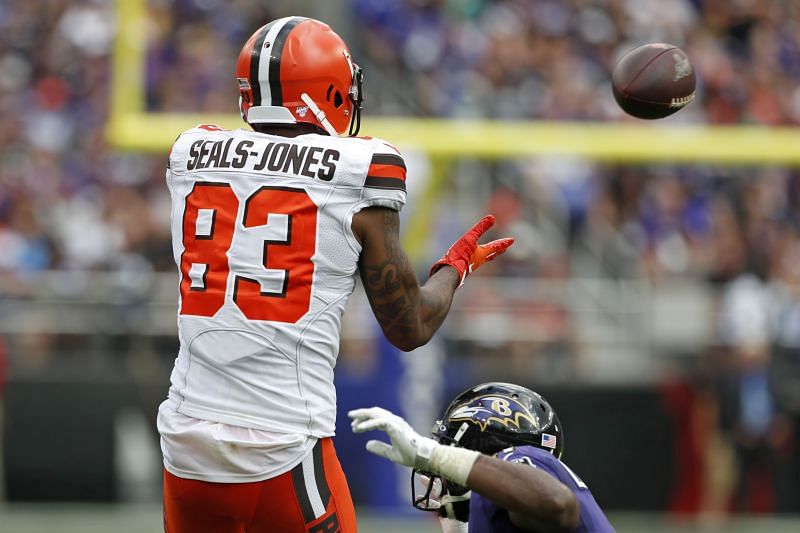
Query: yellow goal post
x=132 y=127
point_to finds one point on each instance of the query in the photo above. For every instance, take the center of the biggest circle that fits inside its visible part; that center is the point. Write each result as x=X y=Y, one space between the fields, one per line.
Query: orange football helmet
x=298 y=69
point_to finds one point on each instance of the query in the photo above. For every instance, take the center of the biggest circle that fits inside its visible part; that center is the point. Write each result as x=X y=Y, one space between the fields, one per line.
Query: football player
x=493 y=464
x=270 y=226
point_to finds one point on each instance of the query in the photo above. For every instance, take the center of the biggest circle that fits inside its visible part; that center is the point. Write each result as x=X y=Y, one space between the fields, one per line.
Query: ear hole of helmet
x=338 y=99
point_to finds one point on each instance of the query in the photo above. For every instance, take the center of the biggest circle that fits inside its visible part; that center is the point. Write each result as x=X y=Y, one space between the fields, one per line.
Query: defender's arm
x=535 y=500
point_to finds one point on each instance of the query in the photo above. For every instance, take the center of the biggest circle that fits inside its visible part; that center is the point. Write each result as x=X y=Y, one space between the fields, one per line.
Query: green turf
x=75 y=518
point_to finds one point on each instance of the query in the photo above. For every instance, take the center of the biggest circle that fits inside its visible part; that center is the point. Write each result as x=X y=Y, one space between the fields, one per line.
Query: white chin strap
x=319 y=114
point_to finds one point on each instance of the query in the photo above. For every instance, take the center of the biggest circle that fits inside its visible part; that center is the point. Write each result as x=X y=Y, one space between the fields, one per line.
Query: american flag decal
x=548 y=441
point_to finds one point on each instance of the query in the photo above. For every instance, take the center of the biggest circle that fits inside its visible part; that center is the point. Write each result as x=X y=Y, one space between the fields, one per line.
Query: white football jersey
x=267 y=259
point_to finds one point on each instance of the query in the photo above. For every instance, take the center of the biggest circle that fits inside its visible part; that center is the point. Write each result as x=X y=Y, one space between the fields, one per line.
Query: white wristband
x=453 y=463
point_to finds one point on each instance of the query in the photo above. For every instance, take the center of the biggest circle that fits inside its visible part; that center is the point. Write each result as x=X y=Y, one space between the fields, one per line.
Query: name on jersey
x=309 y=161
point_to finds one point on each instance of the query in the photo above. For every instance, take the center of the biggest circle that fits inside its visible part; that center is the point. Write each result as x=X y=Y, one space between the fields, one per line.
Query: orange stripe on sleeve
x=387 y=166
x=387 y=171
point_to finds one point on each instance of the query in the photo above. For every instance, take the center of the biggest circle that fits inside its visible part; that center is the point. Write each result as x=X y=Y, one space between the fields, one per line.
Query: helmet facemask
x=356 y=96
x=438 y=494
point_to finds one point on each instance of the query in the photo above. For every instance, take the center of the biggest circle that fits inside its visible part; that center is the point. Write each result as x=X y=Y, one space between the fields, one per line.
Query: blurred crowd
x=62 y=186
x=68 y=201
x=552 y=59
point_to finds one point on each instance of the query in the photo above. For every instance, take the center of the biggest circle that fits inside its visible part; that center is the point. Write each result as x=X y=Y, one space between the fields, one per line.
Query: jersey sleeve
x=521 y=455
x=179 y=153
x=385 y=179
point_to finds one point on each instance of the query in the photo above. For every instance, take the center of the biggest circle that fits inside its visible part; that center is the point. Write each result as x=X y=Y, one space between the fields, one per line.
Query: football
x=653 y=81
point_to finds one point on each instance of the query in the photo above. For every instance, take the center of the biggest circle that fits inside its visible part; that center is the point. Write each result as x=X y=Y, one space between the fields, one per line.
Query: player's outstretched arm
x=408 y=313
x=534 y=499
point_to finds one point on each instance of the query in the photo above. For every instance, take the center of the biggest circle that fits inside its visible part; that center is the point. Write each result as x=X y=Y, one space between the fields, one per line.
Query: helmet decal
x=487 y=409
x=549 y=441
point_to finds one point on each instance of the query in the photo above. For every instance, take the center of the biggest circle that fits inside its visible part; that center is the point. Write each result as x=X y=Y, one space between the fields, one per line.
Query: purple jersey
x=486 y=517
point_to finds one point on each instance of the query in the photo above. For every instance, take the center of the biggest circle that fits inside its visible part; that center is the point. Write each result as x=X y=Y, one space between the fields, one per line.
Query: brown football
x=653 y=81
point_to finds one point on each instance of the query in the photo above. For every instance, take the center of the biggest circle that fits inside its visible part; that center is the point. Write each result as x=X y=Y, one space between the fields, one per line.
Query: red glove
x=466 y=255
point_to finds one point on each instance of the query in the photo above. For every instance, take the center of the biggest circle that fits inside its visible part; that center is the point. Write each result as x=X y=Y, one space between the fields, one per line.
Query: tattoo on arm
x=409 y=314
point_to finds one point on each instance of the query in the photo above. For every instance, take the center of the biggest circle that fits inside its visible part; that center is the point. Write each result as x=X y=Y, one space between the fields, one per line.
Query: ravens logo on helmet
x=493 y=416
